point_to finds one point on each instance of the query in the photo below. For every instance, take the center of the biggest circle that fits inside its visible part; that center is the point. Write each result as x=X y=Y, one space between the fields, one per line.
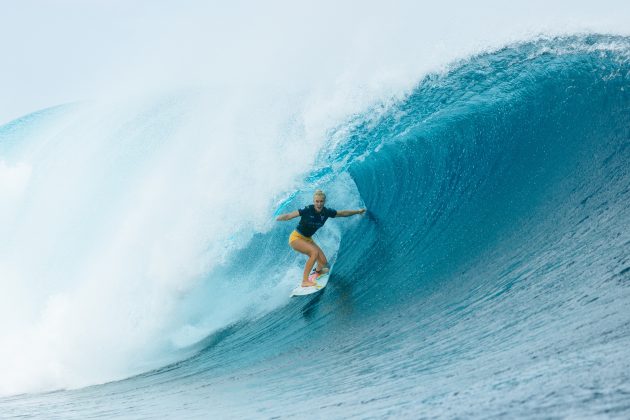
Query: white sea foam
x=112 y=219
x=126 y=212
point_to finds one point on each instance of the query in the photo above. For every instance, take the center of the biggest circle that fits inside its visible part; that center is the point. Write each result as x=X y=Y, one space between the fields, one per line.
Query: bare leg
x=322 y=262
x=312 y=251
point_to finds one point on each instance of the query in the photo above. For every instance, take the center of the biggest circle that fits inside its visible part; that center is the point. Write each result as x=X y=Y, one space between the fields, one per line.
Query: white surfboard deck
x=322 y=281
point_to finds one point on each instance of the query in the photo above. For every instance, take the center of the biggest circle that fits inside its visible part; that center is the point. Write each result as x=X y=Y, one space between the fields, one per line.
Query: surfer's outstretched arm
x=348 y=213
x=288 y=216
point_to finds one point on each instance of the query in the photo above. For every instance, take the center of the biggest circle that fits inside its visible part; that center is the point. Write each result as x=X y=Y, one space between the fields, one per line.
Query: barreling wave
x=493 y=262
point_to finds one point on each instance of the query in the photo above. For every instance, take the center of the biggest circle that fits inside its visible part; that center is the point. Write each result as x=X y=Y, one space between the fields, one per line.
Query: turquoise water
x=490 y=278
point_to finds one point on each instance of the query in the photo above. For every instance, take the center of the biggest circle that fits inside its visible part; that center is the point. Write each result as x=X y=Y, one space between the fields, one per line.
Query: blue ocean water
x=490 y=277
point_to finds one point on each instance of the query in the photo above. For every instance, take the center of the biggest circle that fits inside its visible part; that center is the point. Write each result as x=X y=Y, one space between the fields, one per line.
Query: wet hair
x=319 y=193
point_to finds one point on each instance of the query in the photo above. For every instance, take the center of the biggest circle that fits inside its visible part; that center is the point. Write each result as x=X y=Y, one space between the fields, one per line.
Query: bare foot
x=309 y=283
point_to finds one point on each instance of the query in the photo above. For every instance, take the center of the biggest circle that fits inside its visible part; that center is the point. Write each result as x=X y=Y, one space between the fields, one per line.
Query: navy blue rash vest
x=311 y=220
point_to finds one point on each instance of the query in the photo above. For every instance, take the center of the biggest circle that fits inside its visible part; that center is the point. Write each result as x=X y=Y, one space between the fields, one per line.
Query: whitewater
x=143 y=274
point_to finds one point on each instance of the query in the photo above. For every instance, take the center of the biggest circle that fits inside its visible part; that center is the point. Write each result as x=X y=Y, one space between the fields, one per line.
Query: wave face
x=490 y=277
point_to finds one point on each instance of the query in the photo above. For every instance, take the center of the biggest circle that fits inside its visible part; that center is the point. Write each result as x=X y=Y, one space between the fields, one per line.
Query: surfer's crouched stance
x=313 y=217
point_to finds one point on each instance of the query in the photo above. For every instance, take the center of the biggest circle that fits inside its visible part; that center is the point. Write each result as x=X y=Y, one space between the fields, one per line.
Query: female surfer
x=312 y=218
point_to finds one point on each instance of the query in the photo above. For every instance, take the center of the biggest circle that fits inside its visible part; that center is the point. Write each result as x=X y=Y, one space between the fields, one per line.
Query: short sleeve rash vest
x=311 y=220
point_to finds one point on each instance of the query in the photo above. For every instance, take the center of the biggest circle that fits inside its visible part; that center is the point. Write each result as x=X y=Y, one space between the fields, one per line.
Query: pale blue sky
x=66 y=50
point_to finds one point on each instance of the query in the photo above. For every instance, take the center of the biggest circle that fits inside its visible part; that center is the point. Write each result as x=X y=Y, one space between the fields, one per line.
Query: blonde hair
x=319 y=193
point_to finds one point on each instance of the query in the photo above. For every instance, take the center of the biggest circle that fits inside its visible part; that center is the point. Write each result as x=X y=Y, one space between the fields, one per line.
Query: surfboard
x=321 y=280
